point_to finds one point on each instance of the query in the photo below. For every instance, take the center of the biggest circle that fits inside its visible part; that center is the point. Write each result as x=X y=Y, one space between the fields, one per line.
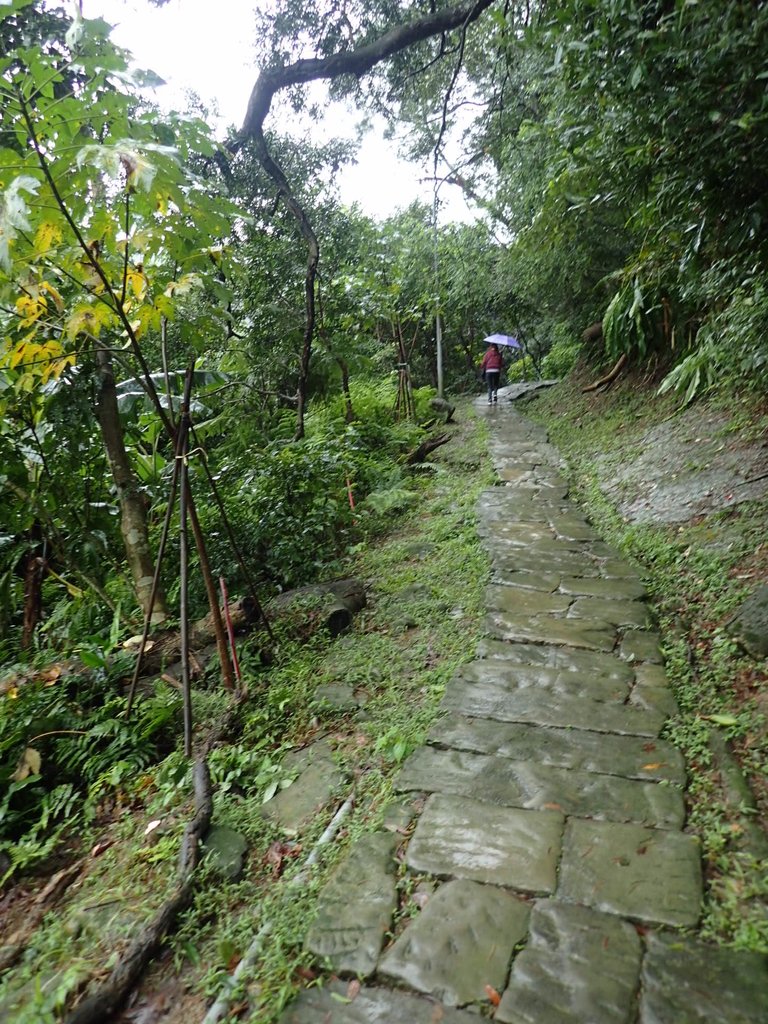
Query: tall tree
x=103 y=233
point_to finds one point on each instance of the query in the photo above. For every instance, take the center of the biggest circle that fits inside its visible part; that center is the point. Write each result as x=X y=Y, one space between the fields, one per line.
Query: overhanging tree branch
x=354 y=62
x=350 y=62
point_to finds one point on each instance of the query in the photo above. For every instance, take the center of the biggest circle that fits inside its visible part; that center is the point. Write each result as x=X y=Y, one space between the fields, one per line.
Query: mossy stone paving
x=553 y=870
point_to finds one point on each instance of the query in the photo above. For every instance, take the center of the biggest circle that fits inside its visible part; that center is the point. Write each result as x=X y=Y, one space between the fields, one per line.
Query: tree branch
x=354 y=62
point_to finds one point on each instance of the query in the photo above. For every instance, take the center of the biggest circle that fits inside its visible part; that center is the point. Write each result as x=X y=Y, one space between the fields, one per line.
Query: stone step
x=578 y=967
x=547 y=707
x=340 y=1003
x=527 y=784
x=356 y=907
x=645 y=874
x=460 y=945
x=632 y=757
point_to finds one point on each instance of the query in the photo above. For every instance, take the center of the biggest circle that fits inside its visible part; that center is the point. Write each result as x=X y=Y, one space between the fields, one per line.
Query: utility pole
x=438 y=318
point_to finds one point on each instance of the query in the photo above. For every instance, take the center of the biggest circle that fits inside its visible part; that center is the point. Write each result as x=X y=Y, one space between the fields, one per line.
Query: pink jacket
x=492 y=360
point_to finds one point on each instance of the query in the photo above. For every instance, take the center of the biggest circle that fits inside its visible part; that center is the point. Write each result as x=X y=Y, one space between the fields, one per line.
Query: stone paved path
x=546 y=841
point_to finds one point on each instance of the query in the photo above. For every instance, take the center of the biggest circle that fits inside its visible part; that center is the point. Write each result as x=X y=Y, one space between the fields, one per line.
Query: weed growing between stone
x=697 y=573
x=424 y=582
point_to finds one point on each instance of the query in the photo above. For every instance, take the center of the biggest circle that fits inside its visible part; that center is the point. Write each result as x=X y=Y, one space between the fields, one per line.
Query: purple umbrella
x=502 y=339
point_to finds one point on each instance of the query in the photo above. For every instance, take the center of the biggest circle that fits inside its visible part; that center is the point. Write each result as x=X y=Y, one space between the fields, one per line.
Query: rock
x=339 y=696
x=356 y=907
x=439 y=952
x=226 y=850
x=318 y=781
x=750 y=624
x=578 y=966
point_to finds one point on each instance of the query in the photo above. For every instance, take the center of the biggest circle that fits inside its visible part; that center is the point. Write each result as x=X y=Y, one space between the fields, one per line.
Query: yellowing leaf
x=82 y=321
x=28 y=765
x=57 y=299
x=88 y=320
x=184 y=285
x=652 y=767
x=137 y=282
x=46 y=236
x=30 y=309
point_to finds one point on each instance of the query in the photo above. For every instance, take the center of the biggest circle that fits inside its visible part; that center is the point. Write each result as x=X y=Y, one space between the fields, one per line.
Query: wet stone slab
x=654 y=698
x=593 y=635
x=460 y=838
x=337 y=1003
x=608 y=589
x=542 y=548
x=579 y=966
x=652 y=690
x=514 y=533
x=640 y=646
x=684 y=982
x=547 y=583
x=567 y=563
x=534 y=450
x=563 y=658
x=629 y=756
x=356 y=907
x=572 y=528
x=497 y=780
x=547 y=707
x=647 y=874
x=318 y=780
x=517 y=473
x=522 y=601
x=443 y=951
x=619 y=613
x=617 y=568
x=515 y=677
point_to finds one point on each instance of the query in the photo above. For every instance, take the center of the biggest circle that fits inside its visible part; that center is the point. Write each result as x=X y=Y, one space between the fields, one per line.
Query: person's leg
x=493 y=384
x=489 y=381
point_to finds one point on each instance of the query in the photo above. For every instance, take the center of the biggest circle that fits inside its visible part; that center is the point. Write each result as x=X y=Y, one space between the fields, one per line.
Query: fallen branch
x=108 y=997
x=425 y=448
x=609 y=377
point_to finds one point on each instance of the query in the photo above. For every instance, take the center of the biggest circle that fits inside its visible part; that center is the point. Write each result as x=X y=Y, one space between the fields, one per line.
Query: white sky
x=207 y=46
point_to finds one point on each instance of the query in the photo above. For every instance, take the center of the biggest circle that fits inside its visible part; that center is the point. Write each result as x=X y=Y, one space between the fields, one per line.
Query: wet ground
x=687 y=466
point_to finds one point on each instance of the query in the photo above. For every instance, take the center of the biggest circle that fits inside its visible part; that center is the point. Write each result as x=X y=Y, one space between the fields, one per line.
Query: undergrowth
x=424 y=580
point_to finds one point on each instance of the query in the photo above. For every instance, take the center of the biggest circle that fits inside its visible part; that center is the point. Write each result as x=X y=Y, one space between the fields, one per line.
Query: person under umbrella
x=491 y=367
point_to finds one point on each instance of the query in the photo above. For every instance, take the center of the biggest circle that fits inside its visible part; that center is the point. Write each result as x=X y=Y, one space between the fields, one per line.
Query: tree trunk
x=133 y=519
x=349 y=415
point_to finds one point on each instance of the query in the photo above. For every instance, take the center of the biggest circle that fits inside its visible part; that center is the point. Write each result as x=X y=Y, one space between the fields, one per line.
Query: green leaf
x=725 y=720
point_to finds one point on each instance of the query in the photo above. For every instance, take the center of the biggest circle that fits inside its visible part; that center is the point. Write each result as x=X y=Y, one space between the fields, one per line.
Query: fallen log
x=609 y=377
x=165 y=648
x=425 y=448
x=332 y=605
x=111 y=994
